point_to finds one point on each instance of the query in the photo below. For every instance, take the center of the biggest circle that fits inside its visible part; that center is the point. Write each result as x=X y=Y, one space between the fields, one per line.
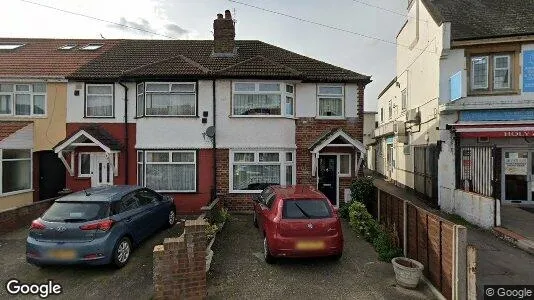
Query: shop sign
x=515 y=166
x=528 y=71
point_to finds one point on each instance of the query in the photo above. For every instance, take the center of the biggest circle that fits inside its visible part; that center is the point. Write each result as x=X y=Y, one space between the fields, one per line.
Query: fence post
x=459 y=282
x=471 y=272
x=405 y=228
x=378 y=206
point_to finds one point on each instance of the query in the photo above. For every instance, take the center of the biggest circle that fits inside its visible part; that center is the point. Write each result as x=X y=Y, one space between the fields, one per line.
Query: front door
x=328 y=177
x=517 y=176
x=101 y=172
x=51 y=175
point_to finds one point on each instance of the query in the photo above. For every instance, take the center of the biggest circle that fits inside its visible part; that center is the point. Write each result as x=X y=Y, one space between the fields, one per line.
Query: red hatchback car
x=297 y=221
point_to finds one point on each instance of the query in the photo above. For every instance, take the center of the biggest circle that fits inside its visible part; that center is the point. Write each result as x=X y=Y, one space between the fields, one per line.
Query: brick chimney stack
x=224 y=35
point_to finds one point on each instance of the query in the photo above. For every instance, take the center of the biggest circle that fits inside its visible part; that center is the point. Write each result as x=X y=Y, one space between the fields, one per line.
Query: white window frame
x=472 y=75
x=31 y=93
x=170 y=162
x=341 y=96
x=509 y=58
x=142 y=107
x=112 y=100
x=169 y=83
x=281 y=162
x=349 y=174
x=80 y=174
x=282 y=92
x=18 y=159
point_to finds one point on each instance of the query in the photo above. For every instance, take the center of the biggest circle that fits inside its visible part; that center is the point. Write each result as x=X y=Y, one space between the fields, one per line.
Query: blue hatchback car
x=98 y=226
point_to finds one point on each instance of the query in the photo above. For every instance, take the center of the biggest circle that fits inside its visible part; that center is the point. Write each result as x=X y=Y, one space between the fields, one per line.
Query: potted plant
x=408 y=272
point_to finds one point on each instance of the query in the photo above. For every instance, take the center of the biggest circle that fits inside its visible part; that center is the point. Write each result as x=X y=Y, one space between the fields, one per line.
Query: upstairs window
x=404 y=99
x=27 y=99
x=263 y=99
x=330 y=101
x=176 y=99
x=99 y=101
x=491 y=73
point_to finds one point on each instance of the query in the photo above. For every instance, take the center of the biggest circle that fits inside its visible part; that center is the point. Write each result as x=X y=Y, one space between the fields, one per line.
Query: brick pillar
x=180 y=264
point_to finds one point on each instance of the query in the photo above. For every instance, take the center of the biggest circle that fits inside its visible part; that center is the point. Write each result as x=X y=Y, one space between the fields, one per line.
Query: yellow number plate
x=310 y=245
x=63 y=254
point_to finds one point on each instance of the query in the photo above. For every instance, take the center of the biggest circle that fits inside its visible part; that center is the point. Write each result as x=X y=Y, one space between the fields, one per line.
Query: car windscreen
x=306 y=209
x=76 y=212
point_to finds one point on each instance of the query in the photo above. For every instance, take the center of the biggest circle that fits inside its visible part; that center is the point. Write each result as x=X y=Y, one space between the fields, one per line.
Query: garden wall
x=438 y=244
x=22 y=216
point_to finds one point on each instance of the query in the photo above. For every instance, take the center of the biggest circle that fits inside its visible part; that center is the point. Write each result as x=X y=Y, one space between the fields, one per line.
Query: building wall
x=76 y=104
x=420 y=45
x=7 y=202
x=179 y=132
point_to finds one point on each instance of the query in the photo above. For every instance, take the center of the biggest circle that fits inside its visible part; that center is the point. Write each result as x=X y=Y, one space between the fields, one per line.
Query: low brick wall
x=22 y=216
x=438 y=244
x=180 y=264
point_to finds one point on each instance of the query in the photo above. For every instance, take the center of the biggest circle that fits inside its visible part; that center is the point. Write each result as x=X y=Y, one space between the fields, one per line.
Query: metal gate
x=426 y=172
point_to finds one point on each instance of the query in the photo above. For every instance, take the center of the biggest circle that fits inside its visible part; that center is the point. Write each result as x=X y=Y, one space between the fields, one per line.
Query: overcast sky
x=192 y=19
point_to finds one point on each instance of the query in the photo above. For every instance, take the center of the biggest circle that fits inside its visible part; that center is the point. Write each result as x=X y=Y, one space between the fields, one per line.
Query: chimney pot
x=219 y=16
x=227 y=15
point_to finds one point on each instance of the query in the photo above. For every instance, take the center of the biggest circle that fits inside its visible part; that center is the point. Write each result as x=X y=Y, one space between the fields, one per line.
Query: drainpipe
x=214 y=144
x=126 y=139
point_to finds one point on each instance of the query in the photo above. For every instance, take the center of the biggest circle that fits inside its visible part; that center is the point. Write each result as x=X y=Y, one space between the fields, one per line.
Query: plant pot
x=408 y=272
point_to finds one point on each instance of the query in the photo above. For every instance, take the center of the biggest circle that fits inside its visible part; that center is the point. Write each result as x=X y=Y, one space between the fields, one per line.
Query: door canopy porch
x=92 y=136
x=336 y=138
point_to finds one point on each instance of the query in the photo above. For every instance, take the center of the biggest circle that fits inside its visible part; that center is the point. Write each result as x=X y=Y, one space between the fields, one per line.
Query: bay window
x=491 y=73
x=166 y=99
x=167 y=171
x=263 y=99
x=99 y=101
x=253 y=171
x=330 y=101
x=15 y=170
x=27 y=99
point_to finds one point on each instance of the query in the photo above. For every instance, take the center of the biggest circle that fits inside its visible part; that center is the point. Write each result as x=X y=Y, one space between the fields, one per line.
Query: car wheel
x=171 y=220
x=337 y=256
x=122 y=252
x=255 y=220
x=266 y=252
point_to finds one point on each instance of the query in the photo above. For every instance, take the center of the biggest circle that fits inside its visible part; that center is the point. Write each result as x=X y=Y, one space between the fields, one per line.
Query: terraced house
x=198 y=119
x=33 y=98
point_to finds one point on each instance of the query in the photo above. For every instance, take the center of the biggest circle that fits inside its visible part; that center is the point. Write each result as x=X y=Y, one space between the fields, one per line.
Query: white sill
x=330 y=118
x=24 y=117
x=16 y=193
x=344 y=175
x=84 y=176
x=245 y=191
x=263 y=116
x=175 y=192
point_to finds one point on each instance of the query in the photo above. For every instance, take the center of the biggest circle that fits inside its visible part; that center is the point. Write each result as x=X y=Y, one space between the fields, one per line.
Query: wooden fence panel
x=447 y=252
x=434 y=250
x=412 y=232
x=422 y=239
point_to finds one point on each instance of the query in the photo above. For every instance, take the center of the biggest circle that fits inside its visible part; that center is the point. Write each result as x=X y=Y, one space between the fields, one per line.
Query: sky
x=193 y=19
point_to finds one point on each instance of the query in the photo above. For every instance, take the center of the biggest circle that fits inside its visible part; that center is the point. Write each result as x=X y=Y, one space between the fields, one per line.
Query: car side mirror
x=256 y=198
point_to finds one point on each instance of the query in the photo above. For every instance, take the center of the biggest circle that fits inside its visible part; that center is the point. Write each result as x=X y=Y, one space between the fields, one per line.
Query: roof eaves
x=387 y=87
x=434 y=12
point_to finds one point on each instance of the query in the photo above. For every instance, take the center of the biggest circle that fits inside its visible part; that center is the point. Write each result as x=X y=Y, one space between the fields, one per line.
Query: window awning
x=91 y=136
x=494 y=130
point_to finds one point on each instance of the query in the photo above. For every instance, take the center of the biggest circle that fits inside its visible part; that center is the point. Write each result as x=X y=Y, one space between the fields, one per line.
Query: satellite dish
x=210 y=131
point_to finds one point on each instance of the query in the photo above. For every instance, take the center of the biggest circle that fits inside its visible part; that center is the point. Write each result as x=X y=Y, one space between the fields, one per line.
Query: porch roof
x=337 y=133
x=90 y=136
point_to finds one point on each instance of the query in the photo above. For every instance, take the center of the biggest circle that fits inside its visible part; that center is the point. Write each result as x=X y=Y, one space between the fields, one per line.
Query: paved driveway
x=238 y=272
x=102 y=282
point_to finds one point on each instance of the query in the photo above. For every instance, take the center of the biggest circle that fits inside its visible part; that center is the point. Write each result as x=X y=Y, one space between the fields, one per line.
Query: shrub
x=384 y=244
x=362 y=189
x=361 y=221
x=219 y=215
x=344 y=210
x=211 y=230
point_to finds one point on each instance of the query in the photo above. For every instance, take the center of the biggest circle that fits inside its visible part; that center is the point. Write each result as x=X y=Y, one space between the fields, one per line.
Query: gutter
x=214 y=143
x=126 y=139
